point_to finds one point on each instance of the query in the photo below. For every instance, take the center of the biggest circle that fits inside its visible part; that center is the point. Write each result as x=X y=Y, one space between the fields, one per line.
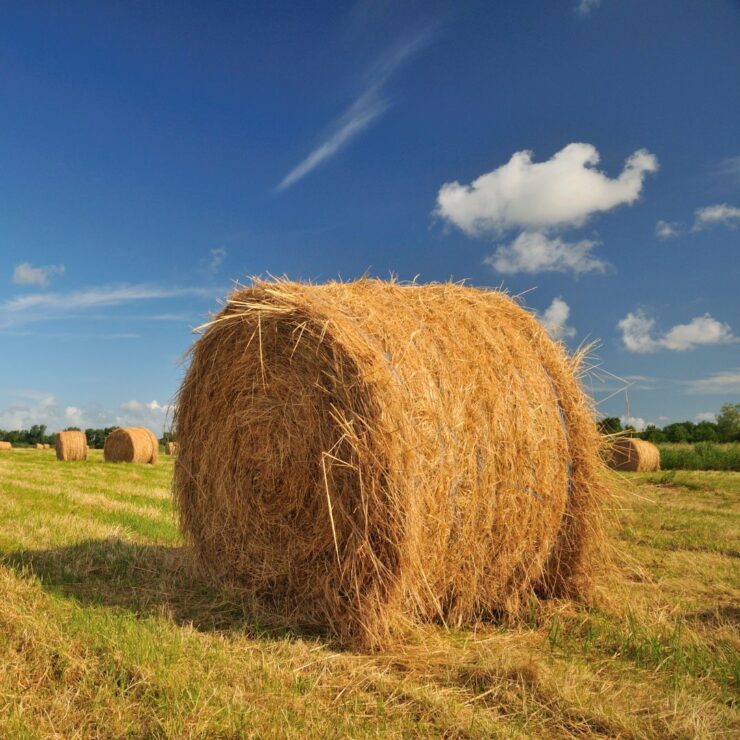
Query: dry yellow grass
x=106 y=630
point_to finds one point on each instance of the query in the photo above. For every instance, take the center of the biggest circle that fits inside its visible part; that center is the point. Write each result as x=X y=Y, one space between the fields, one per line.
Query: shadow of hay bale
x=146 y=580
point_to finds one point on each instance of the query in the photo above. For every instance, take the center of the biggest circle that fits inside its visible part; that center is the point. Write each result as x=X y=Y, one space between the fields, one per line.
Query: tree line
x=725 y=429
x=37 y=434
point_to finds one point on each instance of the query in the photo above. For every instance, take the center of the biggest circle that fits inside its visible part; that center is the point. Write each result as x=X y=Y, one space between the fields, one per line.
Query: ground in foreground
x=104 y=631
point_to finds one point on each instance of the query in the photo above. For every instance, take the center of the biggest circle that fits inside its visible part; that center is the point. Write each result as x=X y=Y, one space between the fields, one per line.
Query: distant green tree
x=728 y=423
x=610 y=425
x=96 y=437
x=705 y=431
x=677 y=432
x=653 y=434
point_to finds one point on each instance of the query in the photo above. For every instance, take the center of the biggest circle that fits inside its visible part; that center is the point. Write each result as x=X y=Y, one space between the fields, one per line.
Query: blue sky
x=586 y=153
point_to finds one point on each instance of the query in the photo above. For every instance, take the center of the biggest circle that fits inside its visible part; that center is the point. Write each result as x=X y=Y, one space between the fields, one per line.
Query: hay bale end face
x=359 y=456
x=131 y=445
x=5 y=445
x=71 y=446
x=635 y=455
x=170 y=448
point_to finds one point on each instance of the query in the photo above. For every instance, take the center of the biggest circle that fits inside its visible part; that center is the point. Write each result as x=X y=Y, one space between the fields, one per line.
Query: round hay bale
x=6 y=446
x=39 y=446
x=637 y=455
x=47 y=446
x=71 y=445
x=131 y=445
x=170 y=448
x=358 y=456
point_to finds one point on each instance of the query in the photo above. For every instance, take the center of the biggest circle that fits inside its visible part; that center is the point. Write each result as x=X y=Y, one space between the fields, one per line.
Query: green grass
x=106 y=629
x=700 y=456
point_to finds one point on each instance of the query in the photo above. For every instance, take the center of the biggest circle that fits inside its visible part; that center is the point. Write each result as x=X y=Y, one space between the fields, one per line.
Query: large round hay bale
x=361 y=455
x=39 y=446
x=71 y=445
x=5 y=445
x=132 y=445
x=47 y=446
x=635 y=455
x=170 y=448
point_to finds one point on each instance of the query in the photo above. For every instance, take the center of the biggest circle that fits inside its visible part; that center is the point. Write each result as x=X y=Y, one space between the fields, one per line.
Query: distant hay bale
x=6 y=446
x=39 y=446
x=170 y=448
x=636 y=455
x=360 y=456
x=71 y=446
x=47 y=446
x=132 y=445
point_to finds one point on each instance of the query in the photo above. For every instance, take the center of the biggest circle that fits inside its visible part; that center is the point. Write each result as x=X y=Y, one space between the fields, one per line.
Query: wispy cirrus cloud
x=370 y=105
x=726 y=382
x=52 y=305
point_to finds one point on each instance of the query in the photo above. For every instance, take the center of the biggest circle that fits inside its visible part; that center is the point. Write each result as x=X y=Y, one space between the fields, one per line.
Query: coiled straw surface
x=131 y=445
x=71 y=445
x=361 y=455
x=636 y=455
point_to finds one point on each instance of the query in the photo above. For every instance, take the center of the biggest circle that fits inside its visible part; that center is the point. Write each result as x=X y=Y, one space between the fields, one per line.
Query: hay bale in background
x=637 y=455
x=361 y=455
x=47 y=446
x=170 y=448
x=39 y=446
x=71 y=445
x=6 y=446
x=132 y=445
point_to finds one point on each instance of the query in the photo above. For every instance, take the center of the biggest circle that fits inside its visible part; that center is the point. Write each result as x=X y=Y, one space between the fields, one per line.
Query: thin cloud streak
x=43 y=306
x=363 y=112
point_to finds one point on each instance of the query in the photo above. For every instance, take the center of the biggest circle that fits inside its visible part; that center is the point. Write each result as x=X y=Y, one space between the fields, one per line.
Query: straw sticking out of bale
x=132 y=445
x=71 y=445
x=362 y=455
x=5 y=445
x=635 y=455
x=170 y=448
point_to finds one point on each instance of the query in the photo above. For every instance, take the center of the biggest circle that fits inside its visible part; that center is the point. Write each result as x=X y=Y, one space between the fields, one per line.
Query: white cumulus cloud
x=555 y=319
x=38 y=407
x=536 y=252
x=637 y=333
x=705 y=416
x=26 y=274
x=720 y=213
x=667 y=230
x=562 y=191
x=636 y=422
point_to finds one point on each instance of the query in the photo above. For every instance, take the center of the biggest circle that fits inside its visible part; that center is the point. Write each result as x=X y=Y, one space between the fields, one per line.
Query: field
x=700 y=456
x=106 y=631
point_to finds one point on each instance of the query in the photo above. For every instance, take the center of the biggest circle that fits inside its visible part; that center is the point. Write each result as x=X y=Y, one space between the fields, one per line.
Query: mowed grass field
x=107 y=631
